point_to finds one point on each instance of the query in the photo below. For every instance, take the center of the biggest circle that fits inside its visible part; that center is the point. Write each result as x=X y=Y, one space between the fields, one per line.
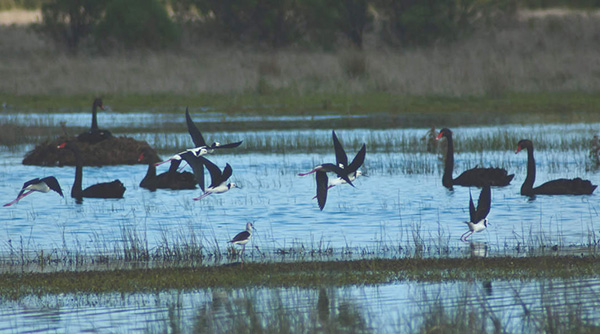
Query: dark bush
x=270 y=22
x=353 y=20
x=416 y=22
x=69 y=22
x=326 y=21
x=137 y=23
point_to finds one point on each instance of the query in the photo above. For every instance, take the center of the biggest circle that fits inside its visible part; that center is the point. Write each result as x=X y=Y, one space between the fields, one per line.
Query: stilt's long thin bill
x=163 y=162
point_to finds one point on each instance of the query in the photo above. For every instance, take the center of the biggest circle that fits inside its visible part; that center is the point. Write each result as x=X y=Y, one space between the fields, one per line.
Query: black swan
x=94 y=134
x=478 y=218
x=575 y=186
x=114 y=189
x=171 y=179
x=474 y=177
x=218 y=184
x=42 y=185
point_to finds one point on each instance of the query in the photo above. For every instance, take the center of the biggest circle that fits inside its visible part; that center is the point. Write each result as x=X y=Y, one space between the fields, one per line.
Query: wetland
x=384 y=256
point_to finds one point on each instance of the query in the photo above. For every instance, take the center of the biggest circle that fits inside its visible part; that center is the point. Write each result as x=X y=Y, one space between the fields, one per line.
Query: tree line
x=322 y=24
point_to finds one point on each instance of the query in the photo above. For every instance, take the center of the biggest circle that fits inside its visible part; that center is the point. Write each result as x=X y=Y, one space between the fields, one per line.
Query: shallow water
x=388 y=308
x=401 y=198
x=400 y=205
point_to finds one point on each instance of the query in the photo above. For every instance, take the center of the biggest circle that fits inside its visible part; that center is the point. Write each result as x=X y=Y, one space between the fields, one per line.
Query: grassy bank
x=560 y=106
x=531 y=57
x=303 y=274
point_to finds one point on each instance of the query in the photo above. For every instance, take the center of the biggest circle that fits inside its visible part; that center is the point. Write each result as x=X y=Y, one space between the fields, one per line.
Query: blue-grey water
x=401 y=203
x=405 y=307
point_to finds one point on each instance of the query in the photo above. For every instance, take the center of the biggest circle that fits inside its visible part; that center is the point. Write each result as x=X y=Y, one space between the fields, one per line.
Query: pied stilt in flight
x=218 y=183
x=346 y=172
x=478 y=218
x=200 y=147
x=43 y=185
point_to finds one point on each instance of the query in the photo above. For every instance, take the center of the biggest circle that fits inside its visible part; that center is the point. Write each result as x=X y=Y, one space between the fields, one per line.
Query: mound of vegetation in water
x=112 y=151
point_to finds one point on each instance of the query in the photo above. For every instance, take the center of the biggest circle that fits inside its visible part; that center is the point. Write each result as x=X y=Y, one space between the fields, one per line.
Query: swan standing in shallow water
x=474 y=177
x=575 y=186
x=114 y=189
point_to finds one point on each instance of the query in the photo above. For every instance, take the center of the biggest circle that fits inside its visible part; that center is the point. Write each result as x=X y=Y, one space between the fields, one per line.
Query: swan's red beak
x=518 y=149
x=439 y=136
x=141 y=157
x=101 y=106
x=62 y=145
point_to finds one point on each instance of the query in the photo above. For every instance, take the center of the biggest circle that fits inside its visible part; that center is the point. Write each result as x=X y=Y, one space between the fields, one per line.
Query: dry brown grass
x=533 y=54
x=20 y=17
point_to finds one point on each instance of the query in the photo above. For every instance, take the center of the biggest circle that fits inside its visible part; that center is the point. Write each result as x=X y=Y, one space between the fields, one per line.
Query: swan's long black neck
x=151 y=173
x=527 y=187
x=94 y=120
x=76 y=189
x=449 y=166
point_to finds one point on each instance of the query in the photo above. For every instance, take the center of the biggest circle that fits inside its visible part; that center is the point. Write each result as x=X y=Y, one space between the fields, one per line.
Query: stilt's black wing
x=227 y=171
x=215 y=172
x=472 y=212
x=321 y=189
x=197 y=164
x=241 y=236
x=358 y=160
x=339 y=171
x=53 y=184
x=230 y=145
x=484 y=203
x=340 y=155
x=174 y=165
x=193 y=130
x=27 y=184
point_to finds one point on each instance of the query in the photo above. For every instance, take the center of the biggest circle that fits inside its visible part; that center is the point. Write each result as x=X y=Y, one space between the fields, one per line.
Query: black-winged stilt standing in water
x=43 y=185
x=200 y=147
x=478 y=218
x=218 y=184
x=243 y=238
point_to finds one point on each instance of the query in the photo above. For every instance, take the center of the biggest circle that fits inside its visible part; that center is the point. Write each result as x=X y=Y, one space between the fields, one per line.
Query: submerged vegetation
x=303 y=274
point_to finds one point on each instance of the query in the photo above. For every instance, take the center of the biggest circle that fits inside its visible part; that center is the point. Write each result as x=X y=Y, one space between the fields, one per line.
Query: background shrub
x=270 y=22
x=69 y=22
x=137 y=23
